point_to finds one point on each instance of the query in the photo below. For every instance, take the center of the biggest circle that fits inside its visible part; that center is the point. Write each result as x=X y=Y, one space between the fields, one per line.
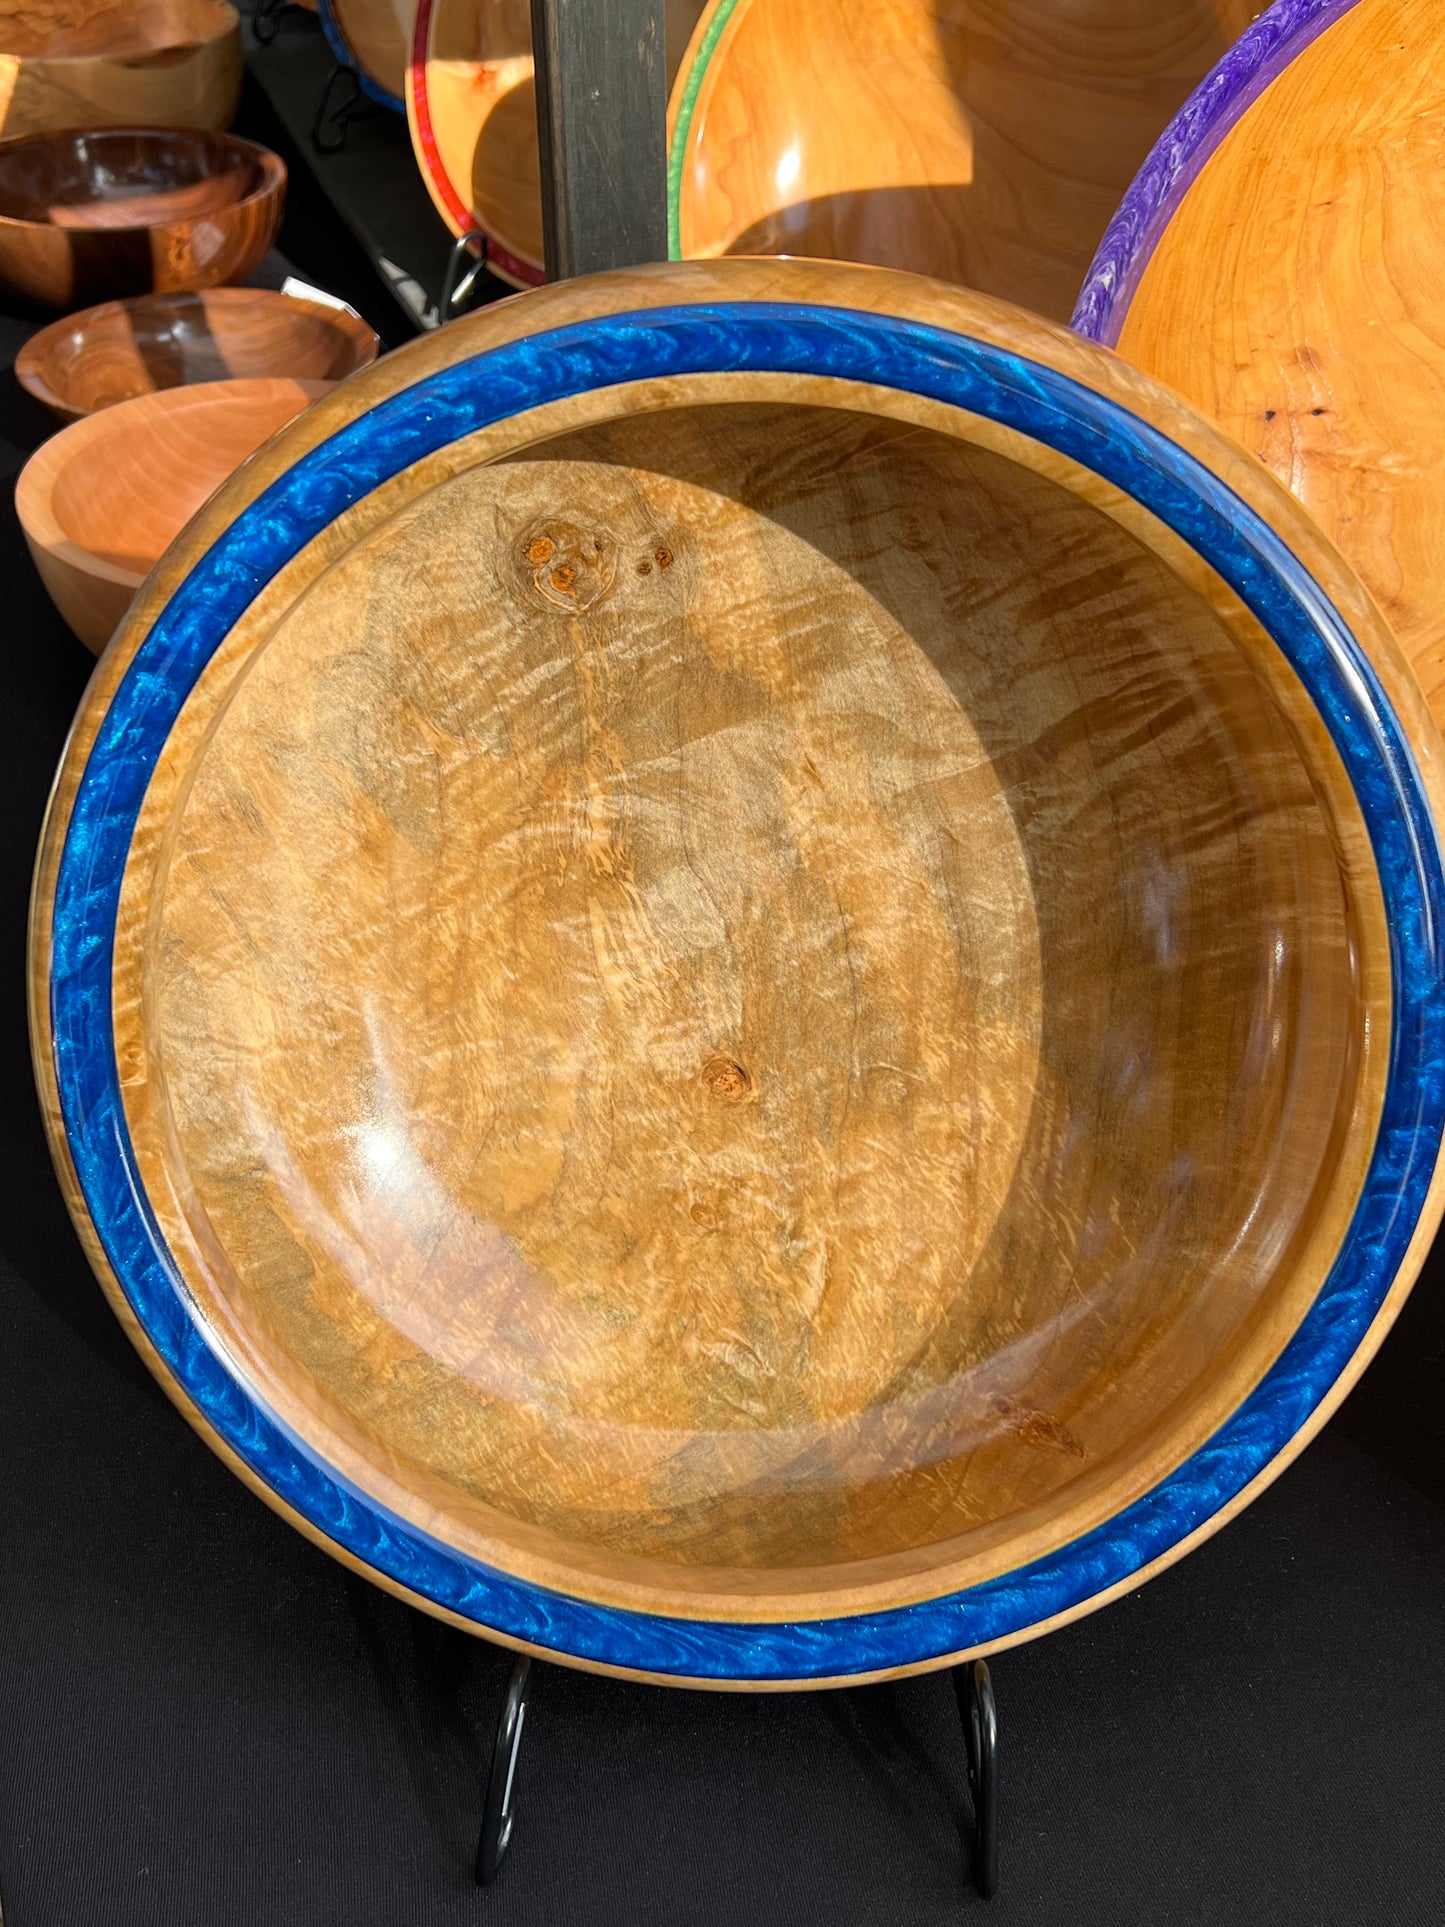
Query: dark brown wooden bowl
x=121 y=349
x=85 y=216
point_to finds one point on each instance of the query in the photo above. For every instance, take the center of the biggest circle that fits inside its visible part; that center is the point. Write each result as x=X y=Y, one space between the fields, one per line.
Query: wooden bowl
x=753 y=995
x=473 y=118
x=114 y=63
x=88 y=216
x=373 y=38
x=108 y=354
x=985 y=141
x=1276 y=261
x=102 y=501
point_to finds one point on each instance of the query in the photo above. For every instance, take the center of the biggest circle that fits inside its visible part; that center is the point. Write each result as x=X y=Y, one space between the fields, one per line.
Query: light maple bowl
x=100 y=502
x=87 y=216
x=121 y=349
x=984 y=141
x=736 y=975
x=118 y=63
x=1277 y=261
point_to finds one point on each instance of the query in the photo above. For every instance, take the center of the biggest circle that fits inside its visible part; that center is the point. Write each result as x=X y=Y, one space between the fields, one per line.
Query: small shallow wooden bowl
x=472 y=112
x=86 y=216
x=118 y=63
x=735 y=973
x=102 y=501
x=985 y=141
x=1278 y=261
x=109 y=354
x=373 y=38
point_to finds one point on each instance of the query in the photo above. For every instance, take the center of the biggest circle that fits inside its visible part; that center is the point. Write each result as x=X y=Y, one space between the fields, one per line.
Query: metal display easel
x=601 y=87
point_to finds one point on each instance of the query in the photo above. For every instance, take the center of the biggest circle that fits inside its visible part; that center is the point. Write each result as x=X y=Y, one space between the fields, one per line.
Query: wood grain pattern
x=85 y=216
x=113 y=63
x=984 y=141
x=473 y=119
x=1304 y=258
x=101 y=502
x=609 y=918
x=378 y=36
x=110 y=353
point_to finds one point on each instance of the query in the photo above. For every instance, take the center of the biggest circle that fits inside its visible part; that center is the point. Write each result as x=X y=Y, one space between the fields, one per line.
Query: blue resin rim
x=849 y=345
x=345 y=57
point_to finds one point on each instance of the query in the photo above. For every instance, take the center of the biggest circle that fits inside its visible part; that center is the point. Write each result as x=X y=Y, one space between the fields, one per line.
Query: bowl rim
x=1230 y=88
x=1381 y=733
x=227 y=24
x=35 y=484
x=273 y=170
x=29 y=362
x=346 y=56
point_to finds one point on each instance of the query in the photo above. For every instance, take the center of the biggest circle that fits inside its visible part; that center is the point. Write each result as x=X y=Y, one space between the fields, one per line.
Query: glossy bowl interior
x=753 y=1001
x=120 y=349
x=100 y=502
x=118 y=178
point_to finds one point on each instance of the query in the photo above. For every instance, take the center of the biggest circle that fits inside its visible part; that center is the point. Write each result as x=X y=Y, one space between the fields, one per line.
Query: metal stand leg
x=497 y=1810
x=266 y=18
x=466 y=261
x=328 y=130
x=973 y=1688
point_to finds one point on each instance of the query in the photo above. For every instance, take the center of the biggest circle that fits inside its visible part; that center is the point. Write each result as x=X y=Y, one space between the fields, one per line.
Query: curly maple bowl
x=86 y=216
x=101 y=502
x=737 y=972
x=109 y=354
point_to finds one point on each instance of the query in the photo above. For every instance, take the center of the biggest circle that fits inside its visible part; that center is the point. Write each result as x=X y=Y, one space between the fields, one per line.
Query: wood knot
x=568 y=566
x=726 y=1080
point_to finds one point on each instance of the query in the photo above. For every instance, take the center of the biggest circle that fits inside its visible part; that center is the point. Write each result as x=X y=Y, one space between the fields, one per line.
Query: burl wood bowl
x=737 y=972
x=100 y=502
x=109 y=354
x=1277 y=261
x=472 y=111
x=985 y=141
x=88 y=216
x=118 y=63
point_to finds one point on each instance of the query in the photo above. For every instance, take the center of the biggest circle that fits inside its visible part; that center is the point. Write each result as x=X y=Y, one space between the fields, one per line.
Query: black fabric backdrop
x=204 y=1721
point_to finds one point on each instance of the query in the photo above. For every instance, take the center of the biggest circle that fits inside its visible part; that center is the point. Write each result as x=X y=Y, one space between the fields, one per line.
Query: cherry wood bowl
x=87 y=216
x=118 y=63
x=109 y=354
x=737 y=972
x=1277 y=261
x=985 y=141
x=472 y=112
x=101 y=501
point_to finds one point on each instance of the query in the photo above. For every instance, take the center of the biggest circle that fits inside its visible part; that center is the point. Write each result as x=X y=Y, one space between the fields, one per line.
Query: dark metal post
x=601 y=126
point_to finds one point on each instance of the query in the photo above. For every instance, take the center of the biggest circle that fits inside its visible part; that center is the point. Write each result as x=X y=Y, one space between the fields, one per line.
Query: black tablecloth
x=203 y=1723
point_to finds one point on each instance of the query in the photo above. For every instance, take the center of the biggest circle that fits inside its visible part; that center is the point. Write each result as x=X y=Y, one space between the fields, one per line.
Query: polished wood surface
x=122 y=211
x=607 y=1022
x=473 y=118
x=984 y=141
x=378 y=36
x=1295 y=296
x=101 y=502
x=116 y=63
x=107 y=354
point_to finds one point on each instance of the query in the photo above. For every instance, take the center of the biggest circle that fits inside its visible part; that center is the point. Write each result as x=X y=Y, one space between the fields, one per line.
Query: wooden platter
x=473 y=119
x=1278 y=262
x=102 y=501
x=104 y=355
x=984 y=141
x=116 y=63
x=373 y=38
x=85 y=216
x=564 y=1012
